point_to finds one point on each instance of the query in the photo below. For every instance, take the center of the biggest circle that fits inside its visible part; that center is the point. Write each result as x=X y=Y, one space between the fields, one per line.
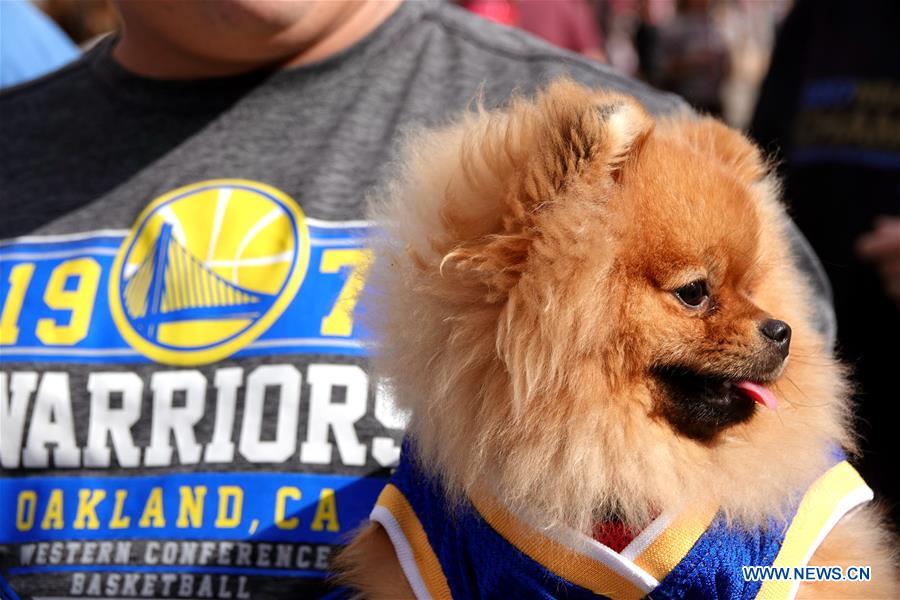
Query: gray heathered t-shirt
x=186 y=410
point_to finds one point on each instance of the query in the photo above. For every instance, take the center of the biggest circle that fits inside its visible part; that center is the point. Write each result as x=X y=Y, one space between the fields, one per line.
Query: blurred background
x=815 y=82
x=713 y=53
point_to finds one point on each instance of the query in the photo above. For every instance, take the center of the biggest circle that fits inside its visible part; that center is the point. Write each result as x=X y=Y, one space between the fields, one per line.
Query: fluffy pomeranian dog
x=595 y=322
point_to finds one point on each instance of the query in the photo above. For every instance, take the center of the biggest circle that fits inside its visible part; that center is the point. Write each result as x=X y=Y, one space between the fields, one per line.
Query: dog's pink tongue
x=759 y=393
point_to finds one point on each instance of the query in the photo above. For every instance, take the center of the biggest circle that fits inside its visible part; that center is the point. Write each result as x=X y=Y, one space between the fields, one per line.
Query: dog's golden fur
x=522 y=289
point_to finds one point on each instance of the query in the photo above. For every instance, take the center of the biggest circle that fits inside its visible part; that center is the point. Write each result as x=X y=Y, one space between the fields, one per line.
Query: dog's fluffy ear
x=576 y=133
x=625 y=126
x=520 y=162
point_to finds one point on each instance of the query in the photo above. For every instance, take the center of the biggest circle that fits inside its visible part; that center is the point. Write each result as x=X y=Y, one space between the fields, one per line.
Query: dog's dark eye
x=693 y=294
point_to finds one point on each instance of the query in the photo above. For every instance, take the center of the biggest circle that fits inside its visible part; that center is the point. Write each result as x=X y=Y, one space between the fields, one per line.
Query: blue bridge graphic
x=172 y=285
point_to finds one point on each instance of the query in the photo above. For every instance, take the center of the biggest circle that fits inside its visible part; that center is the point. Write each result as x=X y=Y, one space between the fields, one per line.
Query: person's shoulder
x=507 y=54
x=57 y=85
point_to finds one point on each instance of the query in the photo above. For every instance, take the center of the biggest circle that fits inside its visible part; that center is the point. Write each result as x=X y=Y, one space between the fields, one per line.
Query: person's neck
x=358 y=24
x=143 y=53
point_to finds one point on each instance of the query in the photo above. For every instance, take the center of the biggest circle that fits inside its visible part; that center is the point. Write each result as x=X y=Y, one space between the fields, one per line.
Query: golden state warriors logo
x=207 y=269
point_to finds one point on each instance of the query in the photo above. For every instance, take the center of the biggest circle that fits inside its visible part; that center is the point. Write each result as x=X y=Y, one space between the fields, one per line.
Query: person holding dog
x=187 y=403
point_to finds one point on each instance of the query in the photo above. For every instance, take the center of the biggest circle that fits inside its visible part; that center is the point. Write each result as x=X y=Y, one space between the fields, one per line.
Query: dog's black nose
x=778 y=332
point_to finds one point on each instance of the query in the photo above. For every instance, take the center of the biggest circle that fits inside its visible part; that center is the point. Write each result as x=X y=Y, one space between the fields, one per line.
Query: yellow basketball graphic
x=206 y=269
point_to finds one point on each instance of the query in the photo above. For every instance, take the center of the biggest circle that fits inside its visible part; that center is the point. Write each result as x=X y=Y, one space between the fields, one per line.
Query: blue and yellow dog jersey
x=480 y=550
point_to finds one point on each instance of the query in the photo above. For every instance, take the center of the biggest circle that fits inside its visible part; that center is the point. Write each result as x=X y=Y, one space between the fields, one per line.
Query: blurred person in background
x=829 y=111
x=568 y=24
x=30 y=43
x=621 y=19
x=693 y=56
x=504 y=12
x=652 y=16
x=187 y=406
x=748 y=28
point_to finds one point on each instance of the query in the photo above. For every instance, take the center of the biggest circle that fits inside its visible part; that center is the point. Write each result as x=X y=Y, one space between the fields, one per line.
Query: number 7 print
x=339 y=322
